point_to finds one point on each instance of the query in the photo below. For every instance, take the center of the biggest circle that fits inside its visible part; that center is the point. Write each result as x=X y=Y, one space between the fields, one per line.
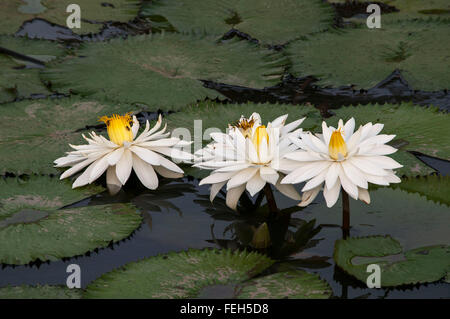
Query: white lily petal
x=279 y=121
x=349 y=128
x=124 y=166
x=145 y=172
x=233 y=196
x=347 y=185
x=216 y=178
x=326 y=133
x=331 y=195
x=255 y=184
x=112 y=182
x=241 y=177
x=135 y=127
x=309 y=196
x=269 y=174
x=288 y=190
x=146 y=155
x=83 y=179
x=303 y=156
x=354 y=174
x=383 y=162
x=99 y=168
x=77 y=167
x=332 y=175
x=367 y=166
x=114 y=156
x=363 y=194
x=215 y=189
x=315 y=181
x=170 y=165
x=164 y=172
x=291 y=126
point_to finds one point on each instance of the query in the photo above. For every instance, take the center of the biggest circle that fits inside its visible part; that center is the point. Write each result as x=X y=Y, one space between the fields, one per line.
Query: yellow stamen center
x=337 y=145
x=119 y=128
x=259 y=135
x=245 y=126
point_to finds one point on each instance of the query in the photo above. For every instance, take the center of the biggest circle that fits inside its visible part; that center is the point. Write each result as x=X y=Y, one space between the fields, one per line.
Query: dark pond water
x=179 y=216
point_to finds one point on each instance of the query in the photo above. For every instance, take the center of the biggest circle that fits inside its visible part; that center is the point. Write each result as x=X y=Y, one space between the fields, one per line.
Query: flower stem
x=345 y=215
x=270 y=199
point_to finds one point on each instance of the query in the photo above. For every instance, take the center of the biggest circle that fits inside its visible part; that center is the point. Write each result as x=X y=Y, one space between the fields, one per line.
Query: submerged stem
x=345 y=215
x=270 y=199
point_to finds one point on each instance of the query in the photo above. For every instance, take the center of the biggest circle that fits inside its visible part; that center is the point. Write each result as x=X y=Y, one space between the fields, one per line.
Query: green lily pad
x=409 y=217
x=33 y=227
x=288 y=19
x=417 y=128
x=39 y=292
x=420 y=265
x=218 y=116
x=164 y=70
x=419 y=49
x=296 y=284
x=15 y=12
x=409 y=9
x=435 y=188
x=19 y=78
x=178 y=275
x=50 y=125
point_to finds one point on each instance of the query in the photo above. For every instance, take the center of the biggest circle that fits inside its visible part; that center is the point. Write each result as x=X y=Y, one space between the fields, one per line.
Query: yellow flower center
x=119 y=128
x=337 y=145
x=259 y=135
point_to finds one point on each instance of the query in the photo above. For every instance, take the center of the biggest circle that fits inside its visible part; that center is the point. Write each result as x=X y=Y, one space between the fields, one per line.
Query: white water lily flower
x=249 y=156
x=124 y=152
x=342 y=157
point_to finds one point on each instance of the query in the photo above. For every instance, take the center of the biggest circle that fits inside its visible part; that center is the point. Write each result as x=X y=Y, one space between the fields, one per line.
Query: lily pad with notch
x=33 y=227
x=411 y=218
x=93 y=13
x=347 y=57
x=398 y=267
x=164 y=70
x=20 y=78
x=434 y=187
x=289 y=19
x=39 y=292
x=409 y=9
x=208 y=273
x=294 y=284
x=51 y=124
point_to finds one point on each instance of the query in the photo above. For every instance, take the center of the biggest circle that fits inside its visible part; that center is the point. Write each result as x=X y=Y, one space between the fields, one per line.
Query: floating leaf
x=93 y=13
x=420 y=265
x=39 y=292
x=435 y=188
x=33 y=227
x=296 y=284
x=348 y=57
x=411 y=218
x=50 y=125
x=417 y=128
x=164 y=70
x=410 y=9
x=289 y=19
x=178 y=275
x=19 y=78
